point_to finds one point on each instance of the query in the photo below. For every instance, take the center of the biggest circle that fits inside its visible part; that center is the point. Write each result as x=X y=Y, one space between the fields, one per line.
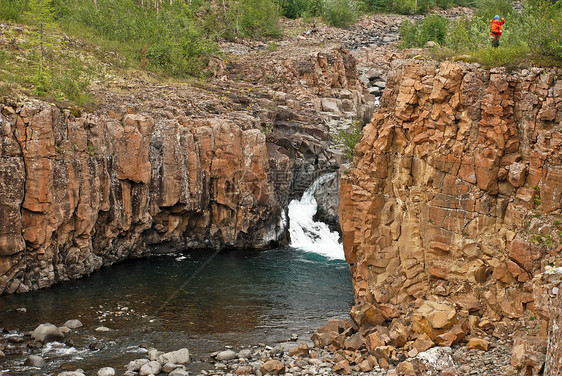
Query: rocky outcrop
x=161 y=167
x=79 y=192
x=455 y=193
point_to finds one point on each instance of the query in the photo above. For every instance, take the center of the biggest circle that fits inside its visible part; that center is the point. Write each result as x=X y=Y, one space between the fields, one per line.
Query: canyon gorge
x=450 y=211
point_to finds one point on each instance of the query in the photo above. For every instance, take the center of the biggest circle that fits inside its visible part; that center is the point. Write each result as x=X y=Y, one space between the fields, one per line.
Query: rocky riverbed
x=295 y=356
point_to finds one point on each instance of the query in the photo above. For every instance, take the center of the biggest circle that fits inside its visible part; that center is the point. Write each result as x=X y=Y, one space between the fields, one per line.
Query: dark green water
x=237 y=298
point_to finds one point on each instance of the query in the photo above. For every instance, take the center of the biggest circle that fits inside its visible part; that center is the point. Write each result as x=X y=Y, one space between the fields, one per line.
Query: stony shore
x=295 y=356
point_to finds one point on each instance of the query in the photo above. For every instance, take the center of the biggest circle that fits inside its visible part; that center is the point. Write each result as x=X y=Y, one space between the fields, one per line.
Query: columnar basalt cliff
x=175 y=168
x=455 y=194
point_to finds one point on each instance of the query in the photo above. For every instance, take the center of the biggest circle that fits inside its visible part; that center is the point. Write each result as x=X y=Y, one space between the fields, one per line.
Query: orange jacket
x=497 y=27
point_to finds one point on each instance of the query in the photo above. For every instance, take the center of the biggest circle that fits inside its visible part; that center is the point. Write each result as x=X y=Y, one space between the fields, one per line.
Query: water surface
x=237 y=298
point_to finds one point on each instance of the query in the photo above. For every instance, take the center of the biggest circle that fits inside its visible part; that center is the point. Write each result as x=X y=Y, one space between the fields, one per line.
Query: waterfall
x=307 y=234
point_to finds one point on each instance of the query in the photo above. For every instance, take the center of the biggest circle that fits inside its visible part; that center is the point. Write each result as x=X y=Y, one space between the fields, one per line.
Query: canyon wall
x=455 y=192
x=162 y=169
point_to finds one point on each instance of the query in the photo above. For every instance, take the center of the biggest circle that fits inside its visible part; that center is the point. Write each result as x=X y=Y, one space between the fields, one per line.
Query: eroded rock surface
x=162 y=167
x=456 y=188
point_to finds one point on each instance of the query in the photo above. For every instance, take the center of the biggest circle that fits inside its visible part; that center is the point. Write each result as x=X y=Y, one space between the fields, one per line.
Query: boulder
x=406 y=368
x=179 y=372
x=47 y=333
x=169 y=367
x=73 y=324
x=180 y=356
x=35 y=361
x=433 y=318
x=151 y=368
x=366 y=314
x=437 y=359
x=478 y=344
x=106 y=371
x=342 y=367
x=245 y=353
x=423 y=343
x=353 y=342
x=272 y=367
x=245 y=370
x=135 y=365
x=300 y=350
x=225 y=355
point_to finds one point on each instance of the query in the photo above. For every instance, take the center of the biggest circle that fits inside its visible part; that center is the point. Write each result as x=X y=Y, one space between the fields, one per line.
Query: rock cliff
x=455 y=193
x=162 y=167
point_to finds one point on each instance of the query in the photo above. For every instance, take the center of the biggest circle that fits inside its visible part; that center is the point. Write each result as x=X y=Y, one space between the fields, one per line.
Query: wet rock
x=245 y=353
x=78 y=372
x=135 y=365
x=106 y=371
x=35 y=361
x=272 y=367
x=96 y=346
x=151 y=368
x=225 y=355
x=169 y=367
x=103 y=329
x=180 y=356
x=179 y=372
x=153 y=354
x=47 y=333
x=73 y=324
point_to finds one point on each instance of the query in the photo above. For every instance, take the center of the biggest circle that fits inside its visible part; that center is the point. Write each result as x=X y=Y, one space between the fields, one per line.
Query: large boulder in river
x=47 y=333
x=180 y=356
x=35 y=361
x=225 y=355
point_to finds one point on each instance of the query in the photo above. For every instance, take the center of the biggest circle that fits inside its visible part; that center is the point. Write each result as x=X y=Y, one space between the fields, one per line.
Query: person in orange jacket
x=496 y=30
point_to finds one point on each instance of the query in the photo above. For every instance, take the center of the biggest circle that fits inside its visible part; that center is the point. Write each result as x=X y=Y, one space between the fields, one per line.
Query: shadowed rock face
x=456 y=188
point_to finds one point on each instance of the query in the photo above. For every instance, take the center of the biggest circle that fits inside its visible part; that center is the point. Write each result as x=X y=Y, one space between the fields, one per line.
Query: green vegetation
x=537 y=197
x=534 y=35
x=347 y=138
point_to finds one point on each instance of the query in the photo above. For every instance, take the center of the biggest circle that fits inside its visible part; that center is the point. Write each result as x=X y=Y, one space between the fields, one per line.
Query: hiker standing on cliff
x=496 y=30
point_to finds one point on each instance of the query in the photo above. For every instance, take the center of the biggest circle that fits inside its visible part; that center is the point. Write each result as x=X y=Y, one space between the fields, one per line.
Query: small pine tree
x=40 y=13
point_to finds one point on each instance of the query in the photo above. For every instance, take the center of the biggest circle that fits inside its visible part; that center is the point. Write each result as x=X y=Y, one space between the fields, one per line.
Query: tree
x=40 y=13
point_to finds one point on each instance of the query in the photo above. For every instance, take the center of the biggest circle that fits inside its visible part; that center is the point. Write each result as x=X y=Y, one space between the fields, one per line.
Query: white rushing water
x=307 y=234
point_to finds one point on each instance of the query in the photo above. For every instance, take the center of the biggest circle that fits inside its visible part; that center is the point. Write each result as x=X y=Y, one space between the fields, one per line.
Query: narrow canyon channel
x=200 y=300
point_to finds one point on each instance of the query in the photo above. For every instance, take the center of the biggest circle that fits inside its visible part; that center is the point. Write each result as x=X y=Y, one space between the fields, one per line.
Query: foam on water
x=306 y=233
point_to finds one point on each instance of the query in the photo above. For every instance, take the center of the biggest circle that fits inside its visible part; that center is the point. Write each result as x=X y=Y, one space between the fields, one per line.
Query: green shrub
x=543 y=29
x=13 y=10
x=253 y=18
x=347 y=138
x=340 y=13
x=294 y=8
x=432 y=28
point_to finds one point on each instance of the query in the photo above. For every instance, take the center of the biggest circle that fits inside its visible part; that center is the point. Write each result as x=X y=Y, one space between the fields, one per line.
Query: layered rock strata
x=455 y=194
x=161 y=168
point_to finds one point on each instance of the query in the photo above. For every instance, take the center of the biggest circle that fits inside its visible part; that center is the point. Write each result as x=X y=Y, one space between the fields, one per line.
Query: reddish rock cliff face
x=80 y=192
x=164 y=167
x=455 y=192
